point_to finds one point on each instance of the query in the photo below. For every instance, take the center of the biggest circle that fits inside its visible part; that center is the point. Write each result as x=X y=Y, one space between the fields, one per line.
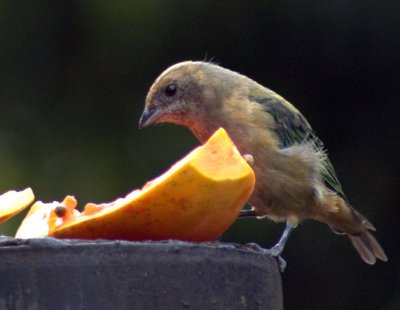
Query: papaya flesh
x=13 y=202
x=42 y=216
x=197 y=199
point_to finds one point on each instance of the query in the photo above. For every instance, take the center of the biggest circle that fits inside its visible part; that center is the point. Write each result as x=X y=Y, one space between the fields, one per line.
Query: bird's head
x=189 y=94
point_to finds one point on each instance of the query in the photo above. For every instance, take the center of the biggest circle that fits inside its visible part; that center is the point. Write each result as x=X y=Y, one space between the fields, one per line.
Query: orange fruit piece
x=42 y=216
x=197 y=199
x=13 y=202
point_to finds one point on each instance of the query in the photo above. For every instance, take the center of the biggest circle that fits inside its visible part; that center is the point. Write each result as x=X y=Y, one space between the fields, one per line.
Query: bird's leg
x=277 y=249
x=247 y=213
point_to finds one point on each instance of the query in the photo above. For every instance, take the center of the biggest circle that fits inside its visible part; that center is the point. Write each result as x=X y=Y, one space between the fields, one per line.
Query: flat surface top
x=48 y=273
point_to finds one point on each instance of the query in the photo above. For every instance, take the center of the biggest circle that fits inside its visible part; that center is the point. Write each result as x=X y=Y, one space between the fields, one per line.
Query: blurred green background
x=74 y=75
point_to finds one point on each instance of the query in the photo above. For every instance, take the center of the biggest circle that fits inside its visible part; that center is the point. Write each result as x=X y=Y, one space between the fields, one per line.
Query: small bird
x=294 y=178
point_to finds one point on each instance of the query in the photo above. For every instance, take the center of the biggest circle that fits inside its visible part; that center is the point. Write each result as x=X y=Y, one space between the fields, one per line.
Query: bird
x=295 y=179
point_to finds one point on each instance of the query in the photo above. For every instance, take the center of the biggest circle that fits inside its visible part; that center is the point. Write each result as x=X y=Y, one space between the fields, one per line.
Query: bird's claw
x=275 y=251
x=249 y=159
x=247 y=213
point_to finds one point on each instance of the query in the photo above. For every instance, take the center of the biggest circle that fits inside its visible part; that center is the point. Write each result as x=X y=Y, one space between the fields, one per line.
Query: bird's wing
x=292 y=128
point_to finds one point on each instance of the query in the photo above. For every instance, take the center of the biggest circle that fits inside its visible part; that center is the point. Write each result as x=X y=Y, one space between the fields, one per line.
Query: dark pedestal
x=49 y=274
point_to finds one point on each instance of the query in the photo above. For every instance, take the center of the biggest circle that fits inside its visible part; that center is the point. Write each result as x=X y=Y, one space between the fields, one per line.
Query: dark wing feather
x=291 y=127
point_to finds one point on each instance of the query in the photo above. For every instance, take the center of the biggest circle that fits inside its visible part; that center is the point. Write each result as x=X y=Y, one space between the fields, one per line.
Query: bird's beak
x=149 y=117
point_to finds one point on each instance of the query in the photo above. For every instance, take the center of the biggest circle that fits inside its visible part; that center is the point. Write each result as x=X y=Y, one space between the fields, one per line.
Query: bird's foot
x=249 y=159
x=275 y=251
x=247 y=213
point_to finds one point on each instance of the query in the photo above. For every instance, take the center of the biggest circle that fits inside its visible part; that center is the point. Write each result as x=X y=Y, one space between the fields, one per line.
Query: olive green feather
x=292 y=128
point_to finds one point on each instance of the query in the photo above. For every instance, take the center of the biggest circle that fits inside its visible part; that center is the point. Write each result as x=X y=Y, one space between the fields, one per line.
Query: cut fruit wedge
x=197 y=199
x=42 y=216
x=13 y=202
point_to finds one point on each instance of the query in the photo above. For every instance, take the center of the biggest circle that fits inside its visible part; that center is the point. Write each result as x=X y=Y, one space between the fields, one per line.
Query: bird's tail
x=344 y=219
x=368 y=247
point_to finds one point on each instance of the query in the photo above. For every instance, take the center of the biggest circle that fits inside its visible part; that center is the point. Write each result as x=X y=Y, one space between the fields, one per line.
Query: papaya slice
x=13 y=202
x=197 y=199
x=42 y=216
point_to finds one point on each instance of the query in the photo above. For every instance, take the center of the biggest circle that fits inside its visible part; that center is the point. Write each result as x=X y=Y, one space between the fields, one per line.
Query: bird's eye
x=170 y=90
